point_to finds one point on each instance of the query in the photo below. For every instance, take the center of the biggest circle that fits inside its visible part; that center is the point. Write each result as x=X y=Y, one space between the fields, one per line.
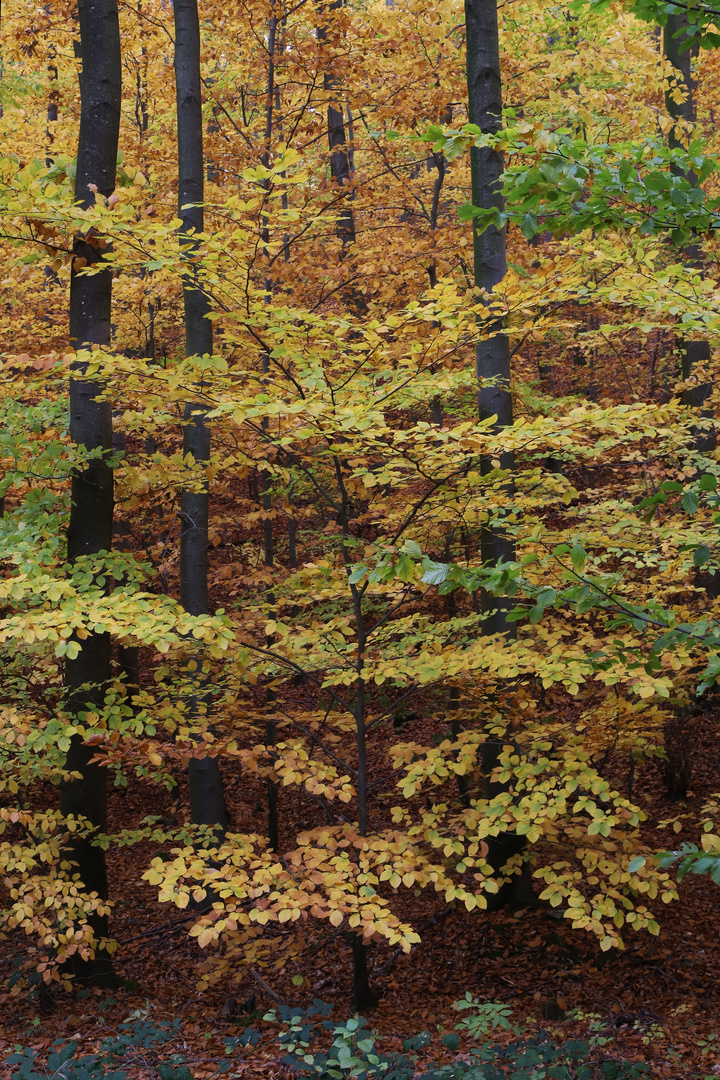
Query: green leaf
x=412 y=548
x=578 y=555
x=689 y=503
x=434 y=572
x=405 y=569
x=701 y=555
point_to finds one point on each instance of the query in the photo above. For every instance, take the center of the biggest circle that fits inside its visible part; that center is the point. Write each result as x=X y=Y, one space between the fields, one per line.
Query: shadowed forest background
x=359 y=509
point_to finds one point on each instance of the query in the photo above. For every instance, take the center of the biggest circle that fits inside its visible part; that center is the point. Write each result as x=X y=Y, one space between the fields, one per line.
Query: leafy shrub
x=353 y=1053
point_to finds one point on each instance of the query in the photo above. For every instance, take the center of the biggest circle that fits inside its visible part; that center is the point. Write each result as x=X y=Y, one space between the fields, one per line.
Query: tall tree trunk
x=91 y=513
x=679 y=51
x=492 y=353
x=492 y=356
x=207 y=800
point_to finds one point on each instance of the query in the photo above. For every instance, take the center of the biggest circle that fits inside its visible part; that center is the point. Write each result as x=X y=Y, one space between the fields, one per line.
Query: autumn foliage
x=386 y=751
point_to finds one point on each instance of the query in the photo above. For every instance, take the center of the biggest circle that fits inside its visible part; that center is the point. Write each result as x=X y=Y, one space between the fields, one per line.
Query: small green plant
x=136 y=1043
x=485 y=1017
x=311 y=1044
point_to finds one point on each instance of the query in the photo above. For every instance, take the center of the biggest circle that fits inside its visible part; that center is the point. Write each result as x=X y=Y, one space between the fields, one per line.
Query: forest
x=360 y=566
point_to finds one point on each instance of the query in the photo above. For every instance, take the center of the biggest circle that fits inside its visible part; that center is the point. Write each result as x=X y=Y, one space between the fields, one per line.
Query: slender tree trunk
x=91 y=512
x=271 y=100
x=52 y=115
x=341 y=158
x=207 y=801
x=363 y=995
x=128 y=656
x=342 y=171
x=492 y=353
x=678 y=51
x=486 y=166
x=52 y=108
x=292 y=537
x=437 y=161
x=142 y=113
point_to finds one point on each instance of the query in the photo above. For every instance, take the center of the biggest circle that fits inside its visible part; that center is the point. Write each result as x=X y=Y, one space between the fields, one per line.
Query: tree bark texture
x=486 y=166
x=198 y=329
x=207 y=801
x=492 y=354
x=91 y=513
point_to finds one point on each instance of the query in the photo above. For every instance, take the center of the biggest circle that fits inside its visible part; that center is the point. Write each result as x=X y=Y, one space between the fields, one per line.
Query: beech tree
x=492 y=354
x=408 y=750
x=87 y=675
x=206 y=790
x=492 y=357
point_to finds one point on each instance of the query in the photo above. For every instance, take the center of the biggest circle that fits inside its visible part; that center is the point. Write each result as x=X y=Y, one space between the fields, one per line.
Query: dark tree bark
x=675 y=48
x=341 y=158
x=91 y=514
x=207 y=800
x=128 y=656
x=679 y=52
x=492 y=355
x=52 y=108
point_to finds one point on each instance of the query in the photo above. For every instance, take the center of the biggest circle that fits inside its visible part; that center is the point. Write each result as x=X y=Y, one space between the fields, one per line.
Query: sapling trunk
x=363 y=995
x=128 y=656
x=271 y=99
x=52 y=108
x=91 y=511
x=292 y=542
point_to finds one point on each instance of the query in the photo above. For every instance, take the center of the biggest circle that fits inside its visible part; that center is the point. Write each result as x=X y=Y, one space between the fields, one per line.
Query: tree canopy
x=359 y=474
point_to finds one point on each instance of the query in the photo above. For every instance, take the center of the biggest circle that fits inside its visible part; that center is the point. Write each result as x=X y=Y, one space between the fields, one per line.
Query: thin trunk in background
x=363 y=995
x=52 y=115
x=52 y=108
x=439 y=162
x=273 y=821
x=342 y=172
x=207 y=801
x=678 y=50
x=341 y=158
x=91 y=513
x=292 y=520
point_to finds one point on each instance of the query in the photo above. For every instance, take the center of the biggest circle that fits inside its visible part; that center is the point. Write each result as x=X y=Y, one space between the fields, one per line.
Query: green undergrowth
x=483 y=1045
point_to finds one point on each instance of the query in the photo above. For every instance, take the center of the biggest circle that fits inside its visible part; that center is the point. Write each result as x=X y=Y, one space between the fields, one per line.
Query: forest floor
x=657 y=1001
